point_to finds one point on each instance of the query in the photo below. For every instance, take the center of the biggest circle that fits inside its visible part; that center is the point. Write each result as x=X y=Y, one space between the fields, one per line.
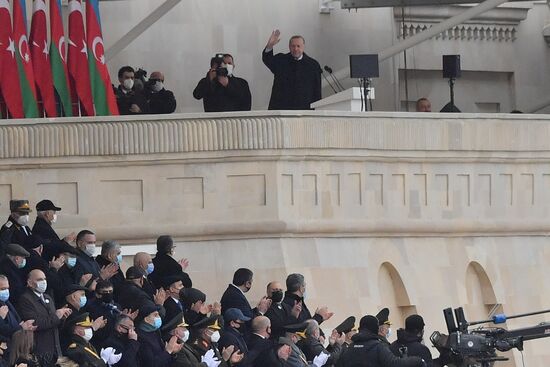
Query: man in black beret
x=14 y=267
x=368 y=350
x=384 y=325
x=46 y=216
x=409 y=340
x=16 y=229
x=80 y=350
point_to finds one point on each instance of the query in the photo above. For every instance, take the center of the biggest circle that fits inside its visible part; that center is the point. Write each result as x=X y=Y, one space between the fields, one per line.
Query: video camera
x=478 y=347
x=140 y=79
x=220 y=70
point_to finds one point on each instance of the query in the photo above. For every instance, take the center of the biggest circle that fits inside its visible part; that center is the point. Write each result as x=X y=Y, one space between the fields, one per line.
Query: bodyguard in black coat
x=297 y=77
x=409 y=340
x=160 y=100
x=166 y=265
x=368 y=350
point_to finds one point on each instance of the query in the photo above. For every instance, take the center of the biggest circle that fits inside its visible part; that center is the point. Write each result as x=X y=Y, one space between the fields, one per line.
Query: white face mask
x=88 y=334
x=215 y=337
x=128 y=84
x=90 y=249
x=185 y=336
x=229 y=68
x=41 y=286
x=389 y=333
x=158 y=86
x=23 y=220
x=54 y=219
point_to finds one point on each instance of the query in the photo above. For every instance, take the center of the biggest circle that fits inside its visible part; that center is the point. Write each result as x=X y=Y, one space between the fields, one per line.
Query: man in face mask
x=178 y=327
x=16 y=229
x=80 y=349
x=124 y=340
x=13 y=266
x=384 y=328
x=144 y=262
x=46 y=216
x=280 y=313
x=234 y=330
x=129 y=100
x=35 y=304
x=10 y=321
x=160 y=99
x=205 y=345
x=221 y=90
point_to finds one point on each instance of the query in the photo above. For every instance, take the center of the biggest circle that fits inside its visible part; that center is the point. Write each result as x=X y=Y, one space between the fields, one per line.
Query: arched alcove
x=394 y=295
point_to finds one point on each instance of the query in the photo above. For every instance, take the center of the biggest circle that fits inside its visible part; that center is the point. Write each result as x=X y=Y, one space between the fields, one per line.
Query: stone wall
x=412 y=211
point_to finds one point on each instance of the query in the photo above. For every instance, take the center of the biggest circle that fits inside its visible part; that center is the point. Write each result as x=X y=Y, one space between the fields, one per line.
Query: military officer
x=16 y=229
x=347 y=327
x=80 y=350
x=384 y=325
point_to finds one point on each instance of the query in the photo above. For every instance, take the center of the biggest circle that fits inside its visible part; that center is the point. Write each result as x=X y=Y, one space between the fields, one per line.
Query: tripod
x=365 y=84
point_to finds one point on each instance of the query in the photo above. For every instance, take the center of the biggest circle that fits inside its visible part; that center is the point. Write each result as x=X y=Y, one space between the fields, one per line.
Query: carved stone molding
x=496 y=25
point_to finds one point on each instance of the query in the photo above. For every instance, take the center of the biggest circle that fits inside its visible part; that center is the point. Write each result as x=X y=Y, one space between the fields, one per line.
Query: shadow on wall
x=393 y=295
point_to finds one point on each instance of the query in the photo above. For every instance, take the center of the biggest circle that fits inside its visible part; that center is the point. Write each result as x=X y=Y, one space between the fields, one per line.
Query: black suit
x=296 y=83
x=165 y=266
x=128 y=347
x=233 y=297
x=172 y=308
x=46 y=336
x=257 y=346
x=231 y=336
x=280 y=316
x=53 y=245
x=10 y=324
x=290 y=299
x=133 y=297
x=161 y=102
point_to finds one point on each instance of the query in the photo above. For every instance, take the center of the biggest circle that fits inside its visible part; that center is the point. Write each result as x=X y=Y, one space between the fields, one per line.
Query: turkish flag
x=9 y=76
x=78 y=59
x=40 y=58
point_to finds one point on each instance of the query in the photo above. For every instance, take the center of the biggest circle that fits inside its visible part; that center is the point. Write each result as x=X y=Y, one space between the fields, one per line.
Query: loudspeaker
x=363 y=66
x=451 y=66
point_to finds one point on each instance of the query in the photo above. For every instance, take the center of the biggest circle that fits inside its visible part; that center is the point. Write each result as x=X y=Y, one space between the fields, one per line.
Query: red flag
x=104 y=97
x=78 y=58
x=23 y=57
x=58 y=58
x=40 y=58
x=9 y=77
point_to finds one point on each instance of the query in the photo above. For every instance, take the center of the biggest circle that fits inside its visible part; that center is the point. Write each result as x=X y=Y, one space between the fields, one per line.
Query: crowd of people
x=296 y=84
x=63 y=304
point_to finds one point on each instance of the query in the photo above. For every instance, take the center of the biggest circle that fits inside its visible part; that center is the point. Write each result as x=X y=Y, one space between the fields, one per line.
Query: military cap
x=71 y=288
x=33 y=241
x=14 y=249
x=414 y=323
x=234 y=314
x=134 y=272
x=192 y=295
x=176 y=321
x=212 y=322
x=370 y=323
x=295 y=328
x=20 y=206
x=284 y=340
x=166 y=282
x=382 y=317
x=46 y=205
x=79 y=319
x=346 y=326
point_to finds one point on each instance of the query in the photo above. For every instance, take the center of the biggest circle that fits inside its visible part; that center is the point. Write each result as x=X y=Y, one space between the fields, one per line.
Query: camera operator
x=409 y=340
x=160 y=99
x=220 y=90
x=130 y=101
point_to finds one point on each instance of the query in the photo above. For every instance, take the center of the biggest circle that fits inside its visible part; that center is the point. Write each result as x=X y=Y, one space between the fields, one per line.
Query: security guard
x=16 y=229
x=80 y=350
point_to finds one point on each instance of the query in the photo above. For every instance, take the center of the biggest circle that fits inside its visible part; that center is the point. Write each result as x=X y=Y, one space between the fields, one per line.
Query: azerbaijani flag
x=58 y=58
x=102 y=91
x=23 y=57
x=9 y=76
x=40 y=53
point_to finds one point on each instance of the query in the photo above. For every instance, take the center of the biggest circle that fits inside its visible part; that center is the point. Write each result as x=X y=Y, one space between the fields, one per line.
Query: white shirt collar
x=237 y=288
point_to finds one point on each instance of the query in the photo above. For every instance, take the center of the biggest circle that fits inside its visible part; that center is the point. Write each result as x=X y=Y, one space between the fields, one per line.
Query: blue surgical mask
x=23 y=263
x=157 y=323
x=71 y=262
x=118 y=258
x=150 y=268
x=4 y=295
x=83 y=301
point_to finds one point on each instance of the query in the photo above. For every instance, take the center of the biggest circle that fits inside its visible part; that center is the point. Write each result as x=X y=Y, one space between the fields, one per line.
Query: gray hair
x=297 y=36
x=294 y=282
x=312 y=327
x=42 y=213
x=108 y=246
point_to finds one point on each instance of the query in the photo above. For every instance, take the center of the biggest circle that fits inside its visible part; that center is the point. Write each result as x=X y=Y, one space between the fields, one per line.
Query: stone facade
x=412 y=211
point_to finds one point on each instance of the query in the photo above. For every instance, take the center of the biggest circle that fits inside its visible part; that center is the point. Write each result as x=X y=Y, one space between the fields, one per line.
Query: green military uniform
x=79 y=350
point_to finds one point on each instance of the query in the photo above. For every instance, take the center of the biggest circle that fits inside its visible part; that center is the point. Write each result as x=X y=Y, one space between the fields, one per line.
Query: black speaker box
x=363 y=66
x=451 y=66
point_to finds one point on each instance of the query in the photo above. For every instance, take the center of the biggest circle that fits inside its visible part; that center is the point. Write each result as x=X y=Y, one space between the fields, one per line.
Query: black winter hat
x=369 y=323
x=414 y=323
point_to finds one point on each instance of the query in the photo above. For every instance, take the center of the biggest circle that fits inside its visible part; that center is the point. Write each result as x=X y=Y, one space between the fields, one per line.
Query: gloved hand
x=321 y=359
x=210 y=360
x=109 y=357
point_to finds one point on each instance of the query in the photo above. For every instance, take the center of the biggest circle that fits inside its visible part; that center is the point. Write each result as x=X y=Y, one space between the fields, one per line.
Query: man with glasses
x=124 y=340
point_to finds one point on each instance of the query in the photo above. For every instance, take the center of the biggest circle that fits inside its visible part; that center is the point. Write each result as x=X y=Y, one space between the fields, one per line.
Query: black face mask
x=107 y=297
x=277 y=296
